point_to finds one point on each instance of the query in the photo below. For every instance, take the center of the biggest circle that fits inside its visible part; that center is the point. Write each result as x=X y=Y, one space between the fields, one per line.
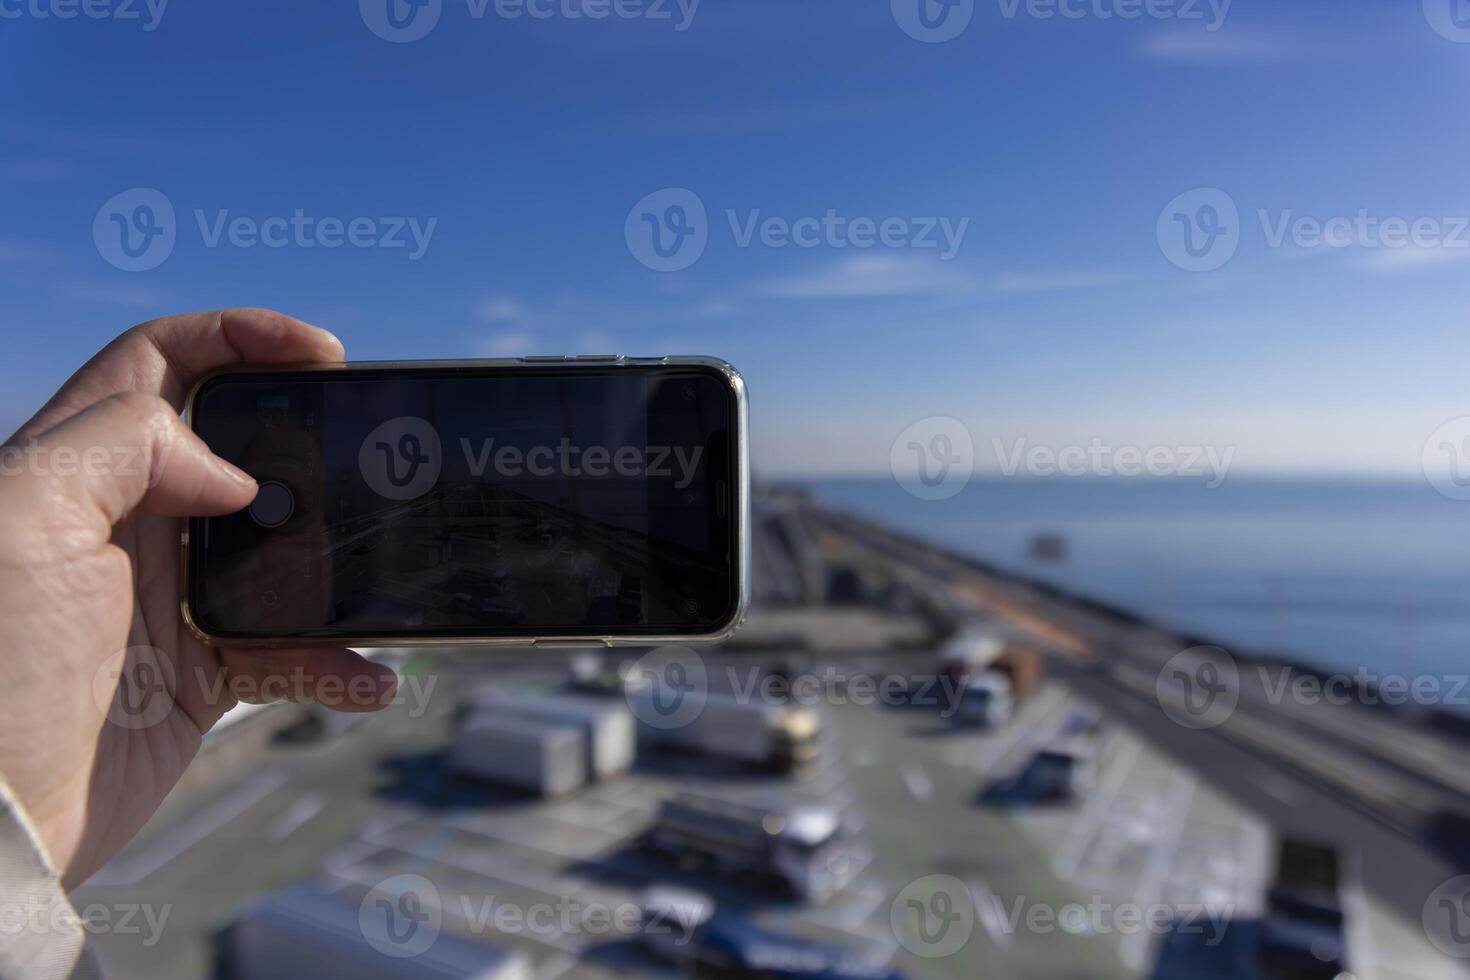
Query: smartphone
x=528 y=501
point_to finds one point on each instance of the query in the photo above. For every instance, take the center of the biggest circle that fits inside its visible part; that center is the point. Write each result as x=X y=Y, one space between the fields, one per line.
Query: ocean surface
x=1343 y=575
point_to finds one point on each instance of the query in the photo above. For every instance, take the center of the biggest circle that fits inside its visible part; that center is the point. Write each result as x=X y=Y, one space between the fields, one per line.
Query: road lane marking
x=1090 y=821
x=918 y=783
x=222 y=811
x=987 y=909
x=1028 y=722
x=296 y=816
x=1155 y=877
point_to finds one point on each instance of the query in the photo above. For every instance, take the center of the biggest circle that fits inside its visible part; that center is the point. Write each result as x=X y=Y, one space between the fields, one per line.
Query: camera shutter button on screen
x=273 y=504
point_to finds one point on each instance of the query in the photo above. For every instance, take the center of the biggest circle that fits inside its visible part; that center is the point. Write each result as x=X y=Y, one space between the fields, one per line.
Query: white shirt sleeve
x=41 y=936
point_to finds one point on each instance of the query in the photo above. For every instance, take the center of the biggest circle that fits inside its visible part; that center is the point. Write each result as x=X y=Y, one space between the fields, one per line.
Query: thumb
x=129 y=451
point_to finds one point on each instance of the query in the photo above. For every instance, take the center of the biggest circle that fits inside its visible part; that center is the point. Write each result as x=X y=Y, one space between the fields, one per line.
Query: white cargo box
x=527 y=753
x=611 y=734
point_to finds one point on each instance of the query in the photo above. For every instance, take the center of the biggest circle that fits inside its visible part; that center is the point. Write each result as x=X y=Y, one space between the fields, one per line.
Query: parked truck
x=777 y=736
x=988 y=649
x=1066 y=768
x=685 y=930
x=803 y=850
x=307 y=931
x=611 y=737
x=547 y=758
x=985 y=700
x=1303 y=932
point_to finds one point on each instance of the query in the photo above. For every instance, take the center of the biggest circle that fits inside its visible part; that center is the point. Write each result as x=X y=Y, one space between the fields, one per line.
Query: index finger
x=166 y=356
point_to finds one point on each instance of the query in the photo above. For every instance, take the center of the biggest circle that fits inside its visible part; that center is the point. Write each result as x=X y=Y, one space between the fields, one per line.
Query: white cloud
x=507 y=345
x=1225 y=47
x=501 y=309
x=867 y=275
x=1412 y=257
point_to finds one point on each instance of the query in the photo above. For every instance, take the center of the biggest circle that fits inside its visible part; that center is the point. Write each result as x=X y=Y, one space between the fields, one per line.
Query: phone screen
x=471 y=502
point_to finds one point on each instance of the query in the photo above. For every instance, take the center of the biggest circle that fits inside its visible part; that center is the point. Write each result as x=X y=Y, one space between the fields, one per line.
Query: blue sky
x=1060 y=319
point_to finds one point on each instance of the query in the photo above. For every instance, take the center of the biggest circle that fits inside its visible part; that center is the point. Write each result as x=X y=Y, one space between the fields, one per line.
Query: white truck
x=985 y=701
x=611 y=736
x=804 y=850
x=542 y=757
x=778 y=736
x=307 y=931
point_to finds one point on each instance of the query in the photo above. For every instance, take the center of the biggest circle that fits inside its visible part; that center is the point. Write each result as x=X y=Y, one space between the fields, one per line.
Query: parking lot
x=920 y=799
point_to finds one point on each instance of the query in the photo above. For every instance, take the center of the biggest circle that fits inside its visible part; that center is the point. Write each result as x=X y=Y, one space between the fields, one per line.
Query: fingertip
x=268 y=336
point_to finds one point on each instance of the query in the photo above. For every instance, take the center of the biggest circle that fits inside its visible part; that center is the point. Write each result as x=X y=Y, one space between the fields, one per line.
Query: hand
x=92 y=492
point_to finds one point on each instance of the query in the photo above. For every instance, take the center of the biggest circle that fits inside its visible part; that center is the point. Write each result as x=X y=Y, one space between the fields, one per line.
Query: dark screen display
x=471 y=502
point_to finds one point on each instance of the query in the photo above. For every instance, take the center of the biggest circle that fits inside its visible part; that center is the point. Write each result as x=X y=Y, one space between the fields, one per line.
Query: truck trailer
x=307 y=931
x=542 y=757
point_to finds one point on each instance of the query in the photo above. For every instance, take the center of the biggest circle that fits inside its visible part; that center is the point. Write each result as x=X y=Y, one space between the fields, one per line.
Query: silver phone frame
x=740 y=508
